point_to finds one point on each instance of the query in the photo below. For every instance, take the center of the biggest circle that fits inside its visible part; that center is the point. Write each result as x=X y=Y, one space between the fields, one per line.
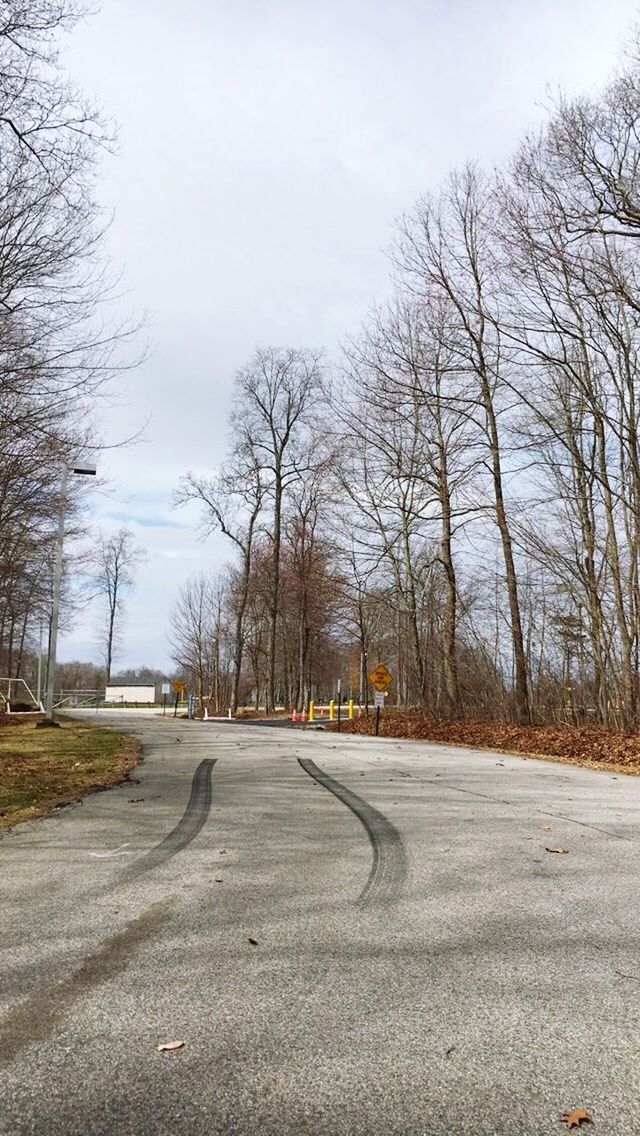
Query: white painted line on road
x=109 y=855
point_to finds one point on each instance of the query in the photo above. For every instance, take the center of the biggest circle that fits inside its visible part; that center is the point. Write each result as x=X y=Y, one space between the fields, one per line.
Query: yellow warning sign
x=380 y=678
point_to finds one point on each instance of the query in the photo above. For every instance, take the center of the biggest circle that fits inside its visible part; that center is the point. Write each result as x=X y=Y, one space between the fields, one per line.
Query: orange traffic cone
x=294 y=716
x=303 y=716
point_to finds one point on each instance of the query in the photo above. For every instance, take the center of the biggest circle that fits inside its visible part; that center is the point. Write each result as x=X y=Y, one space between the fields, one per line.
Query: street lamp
x=67 y=468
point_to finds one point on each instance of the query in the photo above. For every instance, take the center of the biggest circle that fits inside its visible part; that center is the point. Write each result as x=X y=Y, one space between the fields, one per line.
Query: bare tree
x=448 y=245
x=233 y=502
x=274 y=397
x=113 y=575
x=57 y=342
x=198 y=637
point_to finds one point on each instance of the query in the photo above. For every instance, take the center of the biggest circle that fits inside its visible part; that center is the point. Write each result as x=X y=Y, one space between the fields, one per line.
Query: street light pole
x=76 y=467
x=39 y=691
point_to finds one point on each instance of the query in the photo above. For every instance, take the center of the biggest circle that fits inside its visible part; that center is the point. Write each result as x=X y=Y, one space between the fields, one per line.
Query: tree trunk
x=523 y=711
x=275 y=591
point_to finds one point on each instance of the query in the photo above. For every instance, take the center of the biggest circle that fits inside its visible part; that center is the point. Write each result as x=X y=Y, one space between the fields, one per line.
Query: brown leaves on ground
x=576 y=1117
x=169 y=1046
x=253 y=942
x=582 y=745
x=562 y=851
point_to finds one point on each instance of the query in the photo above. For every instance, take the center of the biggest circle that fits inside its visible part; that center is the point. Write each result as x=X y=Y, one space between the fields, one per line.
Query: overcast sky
x=265 y=150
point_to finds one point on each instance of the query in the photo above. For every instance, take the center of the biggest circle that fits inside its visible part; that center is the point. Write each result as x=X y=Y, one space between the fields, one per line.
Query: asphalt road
x=422 y=965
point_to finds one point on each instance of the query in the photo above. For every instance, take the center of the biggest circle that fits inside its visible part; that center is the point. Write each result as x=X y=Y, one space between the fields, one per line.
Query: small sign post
x=339 y=701
x=166 y=689
x=380 y=679
x=179 y=689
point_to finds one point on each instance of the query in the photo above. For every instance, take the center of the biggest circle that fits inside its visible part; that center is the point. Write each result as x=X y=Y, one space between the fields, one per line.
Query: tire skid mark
x=187 y=828
x=37 y=1016
x=389 y=866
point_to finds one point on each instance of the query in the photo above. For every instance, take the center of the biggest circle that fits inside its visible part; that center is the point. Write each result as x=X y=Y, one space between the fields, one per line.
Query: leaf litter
x=589 y=745
x=576 y=1117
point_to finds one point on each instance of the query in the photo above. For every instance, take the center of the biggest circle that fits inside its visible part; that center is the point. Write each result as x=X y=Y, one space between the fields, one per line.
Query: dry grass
x=590 y=745
x=40 y=770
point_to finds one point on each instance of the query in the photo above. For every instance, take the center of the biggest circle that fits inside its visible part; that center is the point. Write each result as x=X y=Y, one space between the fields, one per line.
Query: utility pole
x=39 y=692
x=76 y=467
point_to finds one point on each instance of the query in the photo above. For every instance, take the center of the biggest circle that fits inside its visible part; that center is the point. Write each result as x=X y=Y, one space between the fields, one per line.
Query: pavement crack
x=446 y=785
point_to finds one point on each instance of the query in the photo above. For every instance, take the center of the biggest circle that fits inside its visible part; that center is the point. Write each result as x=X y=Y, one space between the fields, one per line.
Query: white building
x=132 y=694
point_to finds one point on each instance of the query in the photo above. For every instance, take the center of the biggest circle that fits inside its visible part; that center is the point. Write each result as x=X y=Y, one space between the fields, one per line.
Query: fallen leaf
x=274 y=1083
x=254 y=942
x=218 y=880
x=222 y=851
x=545 y=828
x=576 y=1117
x=562 y=850
x=170 y=1045
x=135 y=800
x=450 y=1050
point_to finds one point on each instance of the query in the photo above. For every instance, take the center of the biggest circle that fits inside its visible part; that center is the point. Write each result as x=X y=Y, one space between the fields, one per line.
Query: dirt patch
x=593 y=746
x=41 y=770
x=19 y=719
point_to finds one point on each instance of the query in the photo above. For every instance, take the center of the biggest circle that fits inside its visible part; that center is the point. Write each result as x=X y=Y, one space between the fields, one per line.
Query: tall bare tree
x=114 y=562
x=233 y=502
x=448 y=245
x=274 y=398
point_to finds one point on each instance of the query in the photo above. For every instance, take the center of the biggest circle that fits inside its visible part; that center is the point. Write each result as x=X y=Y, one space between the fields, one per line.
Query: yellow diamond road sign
x=380 y=678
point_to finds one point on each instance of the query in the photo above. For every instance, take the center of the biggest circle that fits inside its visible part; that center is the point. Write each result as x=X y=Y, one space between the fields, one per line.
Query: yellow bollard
x=350 y=708
x=332 y=707
x=312 y=711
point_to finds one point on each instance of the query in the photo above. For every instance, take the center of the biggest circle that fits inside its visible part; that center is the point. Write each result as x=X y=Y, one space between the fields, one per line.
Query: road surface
x=420 y=963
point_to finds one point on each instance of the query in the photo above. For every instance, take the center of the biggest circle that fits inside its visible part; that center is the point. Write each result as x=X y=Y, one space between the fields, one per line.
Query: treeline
x=460 y=496
x=56 y=342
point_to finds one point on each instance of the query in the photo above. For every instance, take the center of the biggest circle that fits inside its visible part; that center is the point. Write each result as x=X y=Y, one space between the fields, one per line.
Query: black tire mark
x=389 y=866
x=187 y=828
x=36 y=1017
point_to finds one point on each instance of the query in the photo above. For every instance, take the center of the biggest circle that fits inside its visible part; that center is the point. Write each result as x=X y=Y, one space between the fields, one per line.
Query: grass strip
x=41 y=770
